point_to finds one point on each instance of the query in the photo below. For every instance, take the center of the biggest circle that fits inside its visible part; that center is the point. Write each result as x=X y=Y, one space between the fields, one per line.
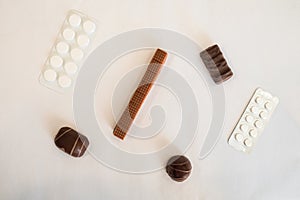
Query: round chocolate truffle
x=179 y=168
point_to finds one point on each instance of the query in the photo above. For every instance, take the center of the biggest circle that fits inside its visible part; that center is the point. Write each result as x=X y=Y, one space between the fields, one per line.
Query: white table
x=261 y=43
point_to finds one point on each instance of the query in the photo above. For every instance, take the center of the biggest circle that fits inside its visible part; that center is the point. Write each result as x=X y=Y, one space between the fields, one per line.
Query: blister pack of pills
x=253 y=120
x=68 y=52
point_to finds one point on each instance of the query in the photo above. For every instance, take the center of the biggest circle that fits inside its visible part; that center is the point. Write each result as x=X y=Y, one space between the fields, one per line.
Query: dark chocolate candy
x=216 y=64
x=179 y=168
x=71 y=142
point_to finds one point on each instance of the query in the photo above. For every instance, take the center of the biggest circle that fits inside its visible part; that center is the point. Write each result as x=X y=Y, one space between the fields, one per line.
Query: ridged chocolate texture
x=179 y=168
x=71 y=142
x=216 y=64
x=140 y=94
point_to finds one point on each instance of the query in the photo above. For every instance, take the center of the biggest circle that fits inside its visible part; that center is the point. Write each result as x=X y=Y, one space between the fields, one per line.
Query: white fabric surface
x=261 y=42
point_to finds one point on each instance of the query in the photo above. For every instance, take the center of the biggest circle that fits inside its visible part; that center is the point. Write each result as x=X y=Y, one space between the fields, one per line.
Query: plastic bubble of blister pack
x=253 y=120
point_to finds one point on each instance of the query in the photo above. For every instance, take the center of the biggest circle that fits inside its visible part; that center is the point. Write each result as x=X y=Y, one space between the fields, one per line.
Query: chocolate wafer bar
x=216 y=64
x=140 y=94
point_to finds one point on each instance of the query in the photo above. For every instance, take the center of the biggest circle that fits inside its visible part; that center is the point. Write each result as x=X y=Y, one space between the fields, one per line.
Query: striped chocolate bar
x=140 y=94
x=71 y=142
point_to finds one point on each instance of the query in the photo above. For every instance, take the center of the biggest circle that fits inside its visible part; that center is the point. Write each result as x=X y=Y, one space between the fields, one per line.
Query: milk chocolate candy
x=71 y=142
x=140 y=94
x=216 y=64
x=179 y=168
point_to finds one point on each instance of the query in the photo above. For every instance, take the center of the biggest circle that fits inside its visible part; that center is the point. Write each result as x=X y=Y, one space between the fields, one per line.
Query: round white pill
x=83 y=40
x=259 y=100
x=71 y=68
x=62 y=47
x=68 y=34
x=268 y=105
x=74 y=20
x=64 y=81
x=50 y=75
x=253 y=133
x=258 y=124
x=248 y=142
x=249 y=118
x=56 y=61
x=244 y=127
x=89 y=27
x=263 y=115
x=254 y=109
x=77 y=54
x=239 y=137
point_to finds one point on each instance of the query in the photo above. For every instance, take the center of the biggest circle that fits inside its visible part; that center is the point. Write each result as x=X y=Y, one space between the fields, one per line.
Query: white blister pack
x=69 y=51
x=253 y=120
